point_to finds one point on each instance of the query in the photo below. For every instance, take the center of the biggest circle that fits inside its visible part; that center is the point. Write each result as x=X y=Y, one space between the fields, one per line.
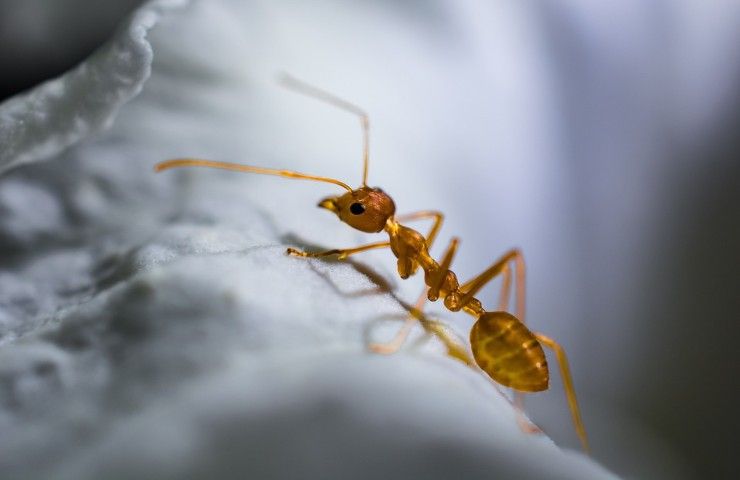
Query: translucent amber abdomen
x=505 y=349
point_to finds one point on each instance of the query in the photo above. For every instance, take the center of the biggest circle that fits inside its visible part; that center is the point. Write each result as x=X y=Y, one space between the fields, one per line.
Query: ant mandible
x=502 y=345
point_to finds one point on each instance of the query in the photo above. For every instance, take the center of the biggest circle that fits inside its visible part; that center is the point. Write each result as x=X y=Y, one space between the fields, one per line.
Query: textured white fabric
x=152 y=326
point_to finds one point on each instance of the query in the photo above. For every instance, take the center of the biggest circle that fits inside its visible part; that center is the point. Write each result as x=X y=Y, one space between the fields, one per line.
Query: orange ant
x=502 y=345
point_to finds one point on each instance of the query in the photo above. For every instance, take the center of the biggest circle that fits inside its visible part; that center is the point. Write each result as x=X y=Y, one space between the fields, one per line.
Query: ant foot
x=459 y=353
x=383 y=348
x=528 y=427
x=295 y=253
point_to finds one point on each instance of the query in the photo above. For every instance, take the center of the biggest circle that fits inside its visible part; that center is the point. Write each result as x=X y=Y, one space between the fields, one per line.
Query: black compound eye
x=357 y=208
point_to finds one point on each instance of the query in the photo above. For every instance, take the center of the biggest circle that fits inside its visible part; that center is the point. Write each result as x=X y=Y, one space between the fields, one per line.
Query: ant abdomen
x=506 y=350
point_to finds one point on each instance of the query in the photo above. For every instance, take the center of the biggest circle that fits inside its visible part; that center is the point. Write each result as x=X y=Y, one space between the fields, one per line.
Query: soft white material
x=152 y=326
x=61 y=112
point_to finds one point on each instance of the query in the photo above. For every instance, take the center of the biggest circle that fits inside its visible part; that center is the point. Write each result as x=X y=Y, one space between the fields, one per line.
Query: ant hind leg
x=570 y=391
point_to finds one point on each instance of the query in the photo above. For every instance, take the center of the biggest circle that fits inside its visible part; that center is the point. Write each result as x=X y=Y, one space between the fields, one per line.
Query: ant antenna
x=196 y=162
x=299 y=86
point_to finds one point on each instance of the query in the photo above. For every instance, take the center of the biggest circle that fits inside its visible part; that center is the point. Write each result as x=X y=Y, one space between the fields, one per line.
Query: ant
x=503 y=347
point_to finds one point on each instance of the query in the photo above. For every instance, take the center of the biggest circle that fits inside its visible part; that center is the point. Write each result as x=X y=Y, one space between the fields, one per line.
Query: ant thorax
x=410 y=247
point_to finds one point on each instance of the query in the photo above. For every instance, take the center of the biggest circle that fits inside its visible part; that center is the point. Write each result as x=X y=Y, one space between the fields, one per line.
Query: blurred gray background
x=641 y=274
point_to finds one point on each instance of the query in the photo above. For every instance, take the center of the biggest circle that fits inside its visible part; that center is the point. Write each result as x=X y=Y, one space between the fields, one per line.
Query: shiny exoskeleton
x=502 y=346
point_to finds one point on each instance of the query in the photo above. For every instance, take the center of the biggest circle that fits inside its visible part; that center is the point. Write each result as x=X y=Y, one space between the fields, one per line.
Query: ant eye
x=357 y=208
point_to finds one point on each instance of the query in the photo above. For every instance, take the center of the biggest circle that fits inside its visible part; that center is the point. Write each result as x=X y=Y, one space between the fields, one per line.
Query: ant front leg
x=340 y=253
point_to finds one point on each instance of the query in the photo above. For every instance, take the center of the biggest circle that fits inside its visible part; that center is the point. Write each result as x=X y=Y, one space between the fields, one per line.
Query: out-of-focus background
x=617 y=170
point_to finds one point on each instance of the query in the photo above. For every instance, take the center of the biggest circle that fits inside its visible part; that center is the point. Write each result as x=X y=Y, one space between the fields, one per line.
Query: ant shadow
x=382 y=287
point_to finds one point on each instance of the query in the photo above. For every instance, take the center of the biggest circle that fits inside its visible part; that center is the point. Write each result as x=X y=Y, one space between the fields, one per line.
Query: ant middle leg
x=501 y=267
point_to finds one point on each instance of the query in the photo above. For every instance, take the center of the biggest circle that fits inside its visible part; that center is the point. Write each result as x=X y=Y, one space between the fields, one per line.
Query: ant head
x=366 y=209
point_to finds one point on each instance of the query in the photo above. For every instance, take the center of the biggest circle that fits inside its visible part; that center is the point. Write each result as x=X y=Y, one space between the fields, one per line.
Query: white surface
x=152 y=325
x=61 y=112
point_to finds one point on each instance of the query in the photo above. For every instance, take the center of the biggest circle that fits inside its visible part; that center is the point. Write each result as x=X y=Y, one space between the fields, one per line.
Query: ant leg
x=435 y=283
x=525 y=424
x=437 y=279
x=341 y=253
x=570 y=391
x=403 y=333
x=454 y=349
x=502 y=267
x=519 y=273
x=503 y=305
x=433 y=231
x=503 y=298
